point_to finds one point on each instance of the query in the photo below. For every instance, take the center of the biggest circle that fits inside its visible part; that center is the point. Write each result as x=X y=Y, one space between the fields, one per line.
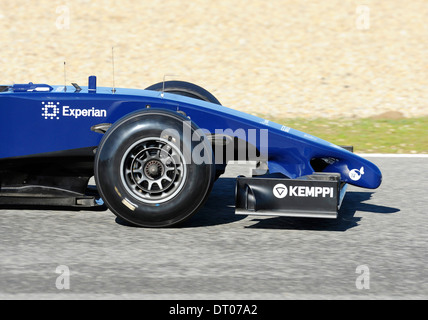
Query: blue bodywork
x=38 y=119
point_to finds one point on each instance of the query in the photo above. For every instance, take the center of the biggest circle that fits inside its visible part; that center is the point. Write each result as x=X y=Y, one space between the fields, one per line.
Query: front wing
x=318 y=195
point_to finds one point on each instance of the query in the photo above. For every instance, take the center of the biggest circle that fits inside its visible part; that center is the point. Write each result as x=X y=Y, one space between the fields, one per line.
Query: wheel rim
x=153 y=170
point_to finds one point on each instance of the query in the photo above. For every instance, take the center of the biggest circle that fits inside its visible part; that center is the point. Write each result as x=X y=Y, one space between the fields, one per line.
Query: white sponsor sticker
x=356 y=174
x=281 y=191
x=53 y=110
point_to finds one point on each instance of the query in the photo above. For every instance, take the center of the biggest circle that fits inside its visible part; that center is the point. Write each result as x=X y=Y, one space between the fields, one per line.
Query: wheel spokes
x=154 y=170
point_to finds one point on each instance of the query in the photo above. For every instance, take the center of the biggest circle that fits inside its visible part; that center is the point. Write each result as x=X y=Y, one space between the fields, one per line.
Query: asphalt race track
x=376 y=249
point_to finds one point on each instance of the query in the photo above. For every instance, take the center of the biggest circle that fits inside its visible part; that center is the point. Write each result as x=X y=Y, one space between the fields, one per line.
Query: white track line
x=392 y=155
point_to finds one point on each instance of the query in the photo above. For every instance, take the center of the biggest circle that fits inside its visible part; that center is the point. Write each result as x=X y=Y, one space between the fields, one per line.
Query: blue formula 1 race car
x=155 y=154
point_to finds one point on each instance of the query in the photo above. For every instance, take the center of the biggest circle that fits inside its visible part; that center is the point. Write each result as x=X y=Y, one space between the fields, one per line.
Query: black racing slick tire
x=146 y=171
x=184 y=88
x=191 y=90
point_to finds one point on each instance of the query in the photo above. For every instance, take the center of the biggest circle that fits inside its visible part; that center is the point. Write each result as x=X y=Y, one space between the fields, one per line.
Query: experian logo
x=52 y=110
x=281 y=191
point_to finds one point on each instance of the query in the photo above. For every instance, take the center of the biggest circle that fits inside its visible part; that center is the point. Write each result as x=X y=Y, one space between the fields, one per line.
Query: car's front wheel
x=146 y=172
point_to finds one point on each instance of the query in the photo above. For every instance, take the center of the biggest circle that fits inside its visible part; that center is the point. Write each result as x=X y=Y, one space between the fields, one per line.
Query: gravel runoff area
x=280 y=58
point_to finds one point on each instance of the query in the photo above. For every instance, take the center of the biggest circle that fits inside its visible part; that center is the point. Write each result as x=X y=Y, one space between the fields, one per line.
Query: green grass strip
x=367 y=135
